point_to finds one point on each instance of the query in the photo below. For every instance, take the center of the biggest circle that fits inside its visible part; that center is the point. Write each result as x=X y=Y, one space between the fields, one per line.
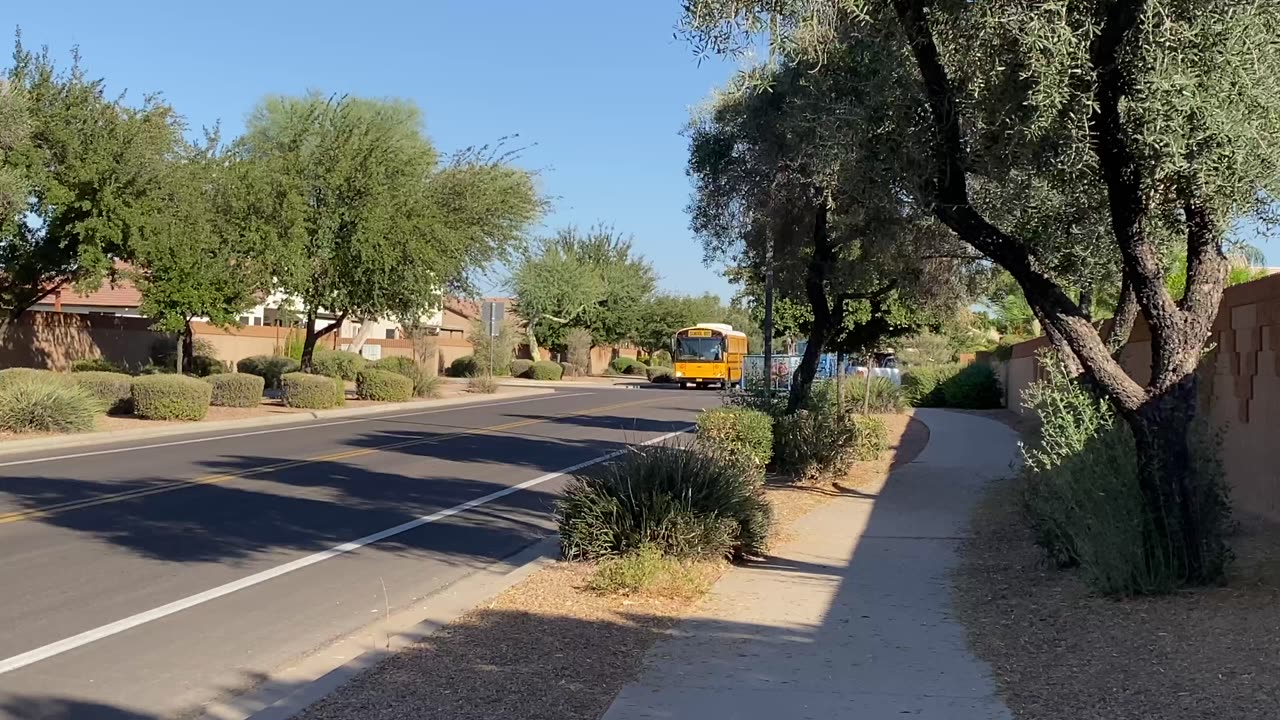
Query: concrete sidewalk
x=850 y=620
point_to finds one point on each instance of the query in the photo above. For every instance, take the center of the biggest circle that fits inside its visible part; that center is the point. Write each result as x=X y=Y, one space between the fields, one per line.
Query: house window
x=257 y=321
x=244 y=319
x=391 y=334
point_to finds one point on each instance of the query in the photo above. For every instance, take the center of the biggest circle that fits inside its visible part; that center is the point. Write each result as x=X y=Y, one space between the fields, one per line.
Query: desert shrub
x=546 y=370
x=885 y=397
x=236 y=390
x=660 y=358
x=869 y=435
x=383 y=385
x=649 y=572
x=577 y=348
x=396 y=364
x=569 y=369
x=206 y=365
x=16 y=373
x=923 y=384
x=755 y=395
x=483 y=385
x=96 y=365
x=314 y=392
x=972 y=386
x=426 y=384
x=337 y=364
x=268 y=367
x=520 y=368
x=1082 y=498
x=736 y=432
x=171 y=397
x=661 y=375
x=113 y=390
x=682 y=502
x=31 y=402
x=501 y=349
x=465 y=366
x=627 y=366
x=813 y=444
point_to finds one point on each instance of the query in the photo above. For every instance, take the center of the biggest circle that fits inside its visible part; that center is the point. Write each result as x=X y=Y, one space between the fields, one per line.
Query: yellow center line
x=48 y=510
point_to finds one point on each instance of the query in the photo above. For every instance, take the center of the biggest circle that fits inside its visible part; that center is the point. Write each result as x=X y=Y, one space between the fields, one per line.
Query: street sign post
x=491 y=314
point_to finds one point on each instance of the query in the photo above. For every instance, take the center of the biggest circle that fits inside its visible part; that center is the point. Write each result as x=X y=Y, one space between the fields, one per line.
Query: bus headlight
x=679 y=374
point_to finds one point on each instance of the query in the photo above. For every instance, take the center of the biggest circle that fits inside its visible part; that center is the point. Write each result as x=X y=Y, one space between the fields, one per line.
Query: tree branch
x=331 y=326
x=1126 y=315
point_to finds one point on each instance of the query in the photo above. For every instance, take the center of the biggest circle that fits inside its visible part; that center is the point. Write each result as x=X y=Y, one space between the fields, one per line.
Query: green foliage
x=546 y=370
x=465 y=366
x=627 y=366
x=520 y=368
x=383 y=385
x=661 y=375
x=205 y=365
x=649 y=572
x=313 y=392
x=737 y=433
x=96 y=365
x=31 y=402
x=171 y=397
x=814 y=444
x=571 y=370
x=972 y=387
x=113 y=390
x=679 y=501
x=588 y=280
x=16 y=373
x=886 y=397
x=870 y=437
x=337 y=364
x=663 y=315
x=425 y=383
x=240 y=390
x=577 y=348
x=293 y=343
x=502 y=349
x=268 y=367
x=77 y=168
x=482 y=385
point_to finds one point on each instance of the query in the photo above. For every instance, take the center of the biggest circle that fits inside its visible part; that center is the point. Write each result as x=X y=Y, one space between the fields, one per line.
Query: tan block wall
x=55 y=340
x=1240 y=388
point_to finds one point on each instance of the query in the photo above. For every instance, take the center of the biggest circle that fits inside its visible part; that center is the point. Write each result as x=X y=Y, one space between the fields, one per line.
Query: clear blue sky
x=603 y=88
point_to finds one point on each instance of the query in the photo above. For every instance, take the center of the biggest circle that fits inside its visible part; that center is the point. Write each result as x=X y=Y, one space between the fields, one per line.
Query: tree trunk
x=824 y=321
x=802 y=380
x=532 y=338
x=186 y=348
x=309 y=342
x=839 y=382
x=357 y=342
x=866 y=397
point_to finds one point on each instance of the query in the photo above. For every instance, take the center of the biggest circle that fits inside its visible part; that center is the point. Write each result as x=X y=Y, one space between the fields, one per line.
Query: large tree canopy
x=1067 y=142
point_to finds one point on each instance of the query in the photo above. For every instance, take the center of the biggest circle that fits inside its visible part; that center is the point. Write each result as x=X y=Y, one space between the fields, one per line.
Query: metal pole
x=768 y=318
x=839 y=382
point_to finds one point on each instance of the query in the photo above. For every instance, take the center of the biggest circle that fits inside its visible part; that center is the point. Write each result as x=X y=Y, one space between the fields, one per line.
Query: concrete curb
x=14 y=447
x=626 y=384
x=294 y=689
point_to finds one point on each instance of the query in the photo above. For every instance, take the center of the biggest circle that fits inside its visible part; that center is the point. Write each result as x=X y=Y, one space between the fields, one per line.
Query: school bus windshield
x=699 y=349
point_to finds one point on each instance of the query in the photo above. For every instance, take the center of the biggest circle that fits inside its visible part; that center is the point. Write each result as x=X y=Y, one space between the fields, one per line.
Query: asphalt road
x=142 y=581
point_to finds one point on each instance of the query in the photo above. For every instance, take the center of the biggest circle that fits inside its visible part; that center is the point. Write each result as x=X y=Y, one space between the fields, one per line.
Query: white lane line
x=291 y=428
x=89 y=636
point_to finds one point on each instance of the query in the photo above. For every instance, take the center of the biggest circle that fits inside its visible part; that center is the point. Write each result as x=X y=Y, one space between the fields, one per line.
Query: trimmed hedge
x=270 y=368
x=313 y=392
x=15 y=373
x=661 y=374
x=206 y=365
x=465 y=366
x=96 y=365
x=337 y=364
x=425 y=383
x=35 y=402
x=970 y=387
x=383 y=385
x=113 y=390
x=628 y=366
x=737 y=433
x=521 y=368
x=483 y=385
x=546 y=370
x=171 y=397
x=236 y=390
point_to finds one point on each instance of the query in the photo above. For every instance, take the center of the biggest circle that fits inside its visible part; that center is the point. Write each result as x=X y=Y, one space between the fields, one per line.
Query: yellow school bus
x=708 y=354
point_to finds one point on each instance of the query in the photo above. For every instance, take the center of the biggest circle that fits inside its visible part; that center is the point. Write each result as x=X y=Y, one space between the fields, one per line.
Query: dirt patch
x=549 y=648
x=1060 y=653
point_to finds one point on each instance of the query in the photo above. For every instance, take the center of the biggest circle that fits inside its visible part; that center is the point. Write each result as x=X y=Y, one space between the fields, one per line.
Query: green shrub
x=661 y=375
x=736 y=432
x=32 y=402
x=425 y=383
x=206 y=365
x=236 y=390
x=660 y=358
x=647 y=571
x=164 y=352
x=464 y=366
x=383 y=385
x=682 y=502
x=813 y=444
x=96 y=365
x=171 y=397
x=627 y=366
x=755 y=395
x=483 y=385
x=569 y=369
x=313 y=392
x=520 y=368
x=113 y=390
x=1082 y=497
x=546 y=370
x=16 y=373
x=337 y=364
x=972 y=387
x=577 y=347
x=886 y=397
x=870 y=437
x=270 y=368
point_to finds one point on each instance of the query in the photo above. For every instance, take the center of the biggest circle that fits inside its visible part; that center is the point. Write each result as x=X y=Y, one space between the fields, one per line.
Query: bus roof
x=718 y=327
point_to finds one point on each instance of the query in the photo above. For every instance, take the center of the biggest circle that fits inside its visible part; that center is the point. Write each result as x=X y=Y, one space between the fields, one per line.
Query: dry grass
x=560 y=645
x=1061 y=653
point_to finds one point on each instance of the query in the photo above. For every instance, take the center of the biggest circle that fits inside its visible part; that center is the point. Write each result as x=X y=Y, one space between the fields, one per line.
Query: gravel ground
x=547 y=649
x=1061 y=653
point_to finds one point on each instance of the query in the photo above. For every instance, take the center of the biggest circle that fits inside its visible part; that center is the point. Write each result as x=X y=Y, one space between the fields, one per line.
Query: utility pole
x=768 y=317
